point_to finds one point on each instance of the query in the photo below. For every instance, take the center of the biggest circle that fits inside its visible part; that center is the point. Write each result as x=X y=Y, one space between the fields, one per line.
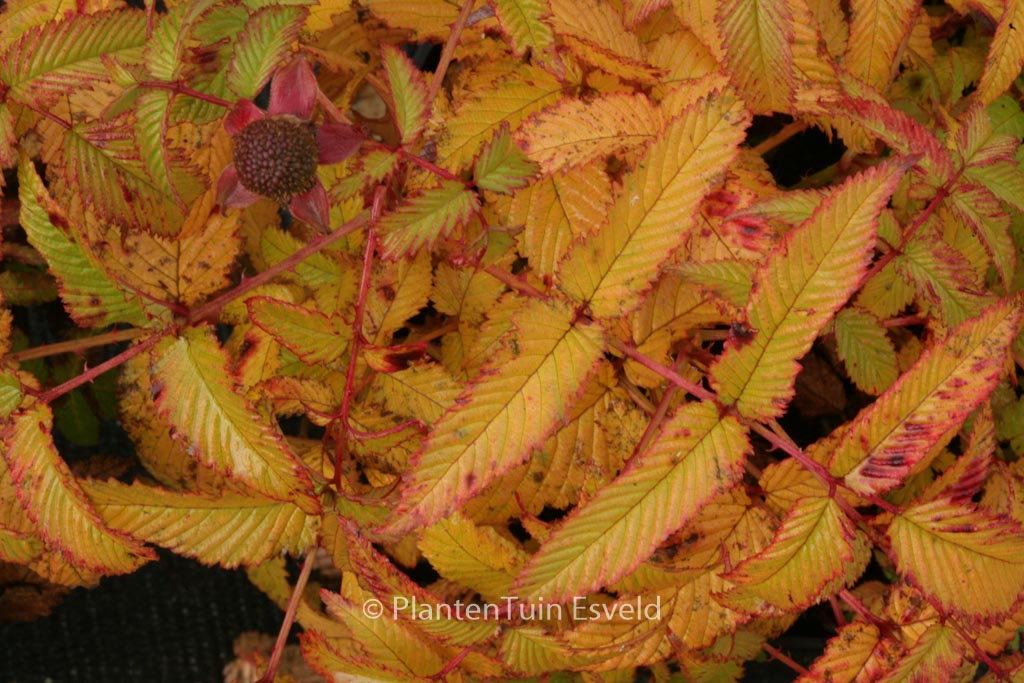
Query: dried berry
x=277 y=157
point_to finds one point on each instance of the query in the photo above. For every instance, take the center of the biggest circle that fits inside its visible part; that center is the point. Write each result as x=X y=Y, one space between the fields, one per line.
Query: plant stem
x=513 y=282
x=341 y=448
x=213 y=307
x=667 y=373
x=448 y=52
x=75 y=345
x=179 y=89
x=289 y=618
x=786 y=133
x=785 y=659
x=92 y=373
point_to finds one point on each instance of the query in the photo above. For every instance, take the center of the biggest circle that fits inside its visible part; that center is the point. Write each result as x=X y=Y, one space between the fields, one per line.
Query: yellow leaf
x=575 y=132
x=425 y=18
x=935 y=655
x=56 y=504
x=1005 y=55
x=322 y=13
x=971 y=561
x=758 y=36
x=816 y=552
x=797 y=290
x=651 y=215
x=927 y=404
x=557 y=210
x=856 y=653
x=595 y=33
x=878 y=31
x=696 y=455
x=477 y=557
x=226 y=528
x=197 y=398
x=312 y=336
x=523 y=21
x=520 y=398
x=398 y=290
x=488 y=106
x=427 y=218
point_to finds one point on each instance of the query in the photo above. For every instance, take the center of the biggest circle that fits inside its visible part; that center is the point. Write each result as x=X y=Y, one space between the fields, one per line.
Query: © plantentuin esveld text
x=541 y=319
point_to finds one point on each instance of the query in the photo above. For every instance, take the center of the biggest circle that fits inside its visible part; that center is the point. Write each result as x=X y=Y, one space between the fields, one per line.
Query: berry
x=277 y=157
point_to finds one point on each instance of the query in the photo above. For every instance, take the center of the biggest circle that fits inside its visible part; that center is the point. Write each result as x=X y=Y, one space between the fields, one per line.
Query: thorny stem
x=341 y=448
x=179 y=89
x=448 y=52
x=786 y=659
x=289 y=618
x=75 y=345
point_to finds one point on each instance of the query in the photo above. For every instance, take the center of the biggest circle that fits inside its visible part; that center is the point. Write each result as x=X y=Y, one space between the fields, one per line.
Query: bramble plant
x=541 y=321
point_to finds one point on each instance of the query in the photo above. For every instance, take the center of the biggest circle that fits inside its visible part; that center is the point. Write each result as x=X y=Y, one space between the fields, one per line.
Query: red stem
x=513 y=282
x=341 y=448
x=785 y=659
x=289 y=618
x=180 y=89
x=448 y=52
x=667 y=373
x=320 y=242
x=94 y=372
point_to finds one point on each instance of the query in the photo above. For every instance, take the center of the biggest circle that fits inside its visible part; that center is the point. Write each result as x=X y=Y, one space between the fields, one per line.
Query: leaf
x=197 y=398
x=92 y=298
x=575 y=132
x=971 y=562
x=865 y=350
x=878 y=32
x=696 y=455
x=611 y=270
x=228 y=528
x=185 y=269
x=935 y=655
x=594 y=31
x=502 y=167
x=399 y=290
x=523 y=22
x=927 y=403
x=478 y=557
x=983 y=214
x=856 y=653
x=264 y=41
x=408 y=92
x=942 y=277
x=516 y=403
x=312 y=336
x=758 y=36
x=67 y=50
x=1005 y=55
x=426 y=218
x=804 y=281
x=56 y=504
x=557 y=210
x=490 y=106
x=100 y=161
x=816 y=552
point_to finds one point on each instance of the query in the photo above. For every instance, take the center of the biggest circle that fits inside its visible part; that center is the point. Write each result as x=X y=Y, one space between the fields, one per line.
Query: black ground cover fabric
x=171 y=621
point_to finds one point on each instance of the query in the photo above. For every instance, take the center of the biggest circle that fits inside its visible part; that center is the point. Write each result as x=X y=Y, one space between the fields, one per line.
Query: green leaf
x=92 y=298
x=427 y=218
x=866 y=350
x=310 y=335
x=265 y=40
x=408 y=93
x=523 y=22
x=502 y=166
